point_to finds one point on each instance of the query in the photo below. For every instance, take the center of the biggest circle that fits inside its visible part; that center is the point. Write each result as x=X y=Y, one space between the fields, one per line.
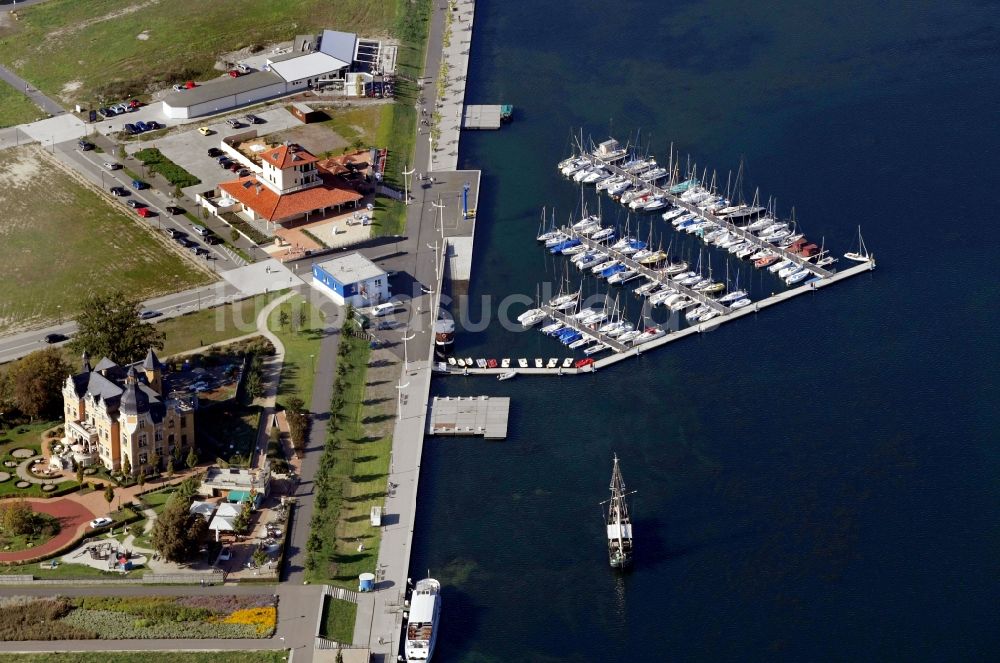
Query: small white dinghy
x=507 y=375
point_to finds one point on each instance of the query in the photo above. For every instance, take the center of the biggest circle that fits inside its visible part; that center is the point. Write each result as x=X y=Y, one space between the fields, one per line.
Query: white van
x=383 y=309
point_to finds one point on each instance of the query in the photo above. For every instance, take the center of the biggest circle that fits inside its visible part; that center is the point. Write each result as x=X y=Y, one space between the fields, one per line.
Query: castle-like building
x=113 y=413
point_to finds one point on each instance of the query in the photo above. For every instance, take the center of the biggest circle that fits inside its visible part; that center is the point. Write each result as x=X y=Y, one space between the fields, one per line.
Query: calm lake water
x=818 y=482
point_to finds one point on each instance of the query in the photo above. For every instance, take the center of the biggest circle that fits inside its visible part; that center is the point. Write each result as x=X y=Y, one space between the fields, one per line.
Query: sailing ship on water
x=619 y=523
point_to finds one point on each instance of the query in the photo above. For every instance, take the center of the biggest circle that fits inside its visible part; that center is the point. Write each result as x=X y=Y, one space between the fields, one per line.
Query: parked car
x=244 y=69
x=135 y=103
x=152 y=125
x=174 y=234
x=205 y=131
x=106 y=112
x=149 y=314
x=85 y=145
x=134 y=204
x=253 y=119
x=145 y=212
x=214 y=152
x=141 y=126
x=234 y=166
x=243 y=172
x=100 y=522
x=235 y=124
x=119 y=191
x=139 y=185
x=224 y=163
x=235 y=73
x=55 y=338
x=201 y=230
x=225 y=554
x=131 y=129
x=111 y=165
x=189 y=85
x=173 y=209
x=213 y=239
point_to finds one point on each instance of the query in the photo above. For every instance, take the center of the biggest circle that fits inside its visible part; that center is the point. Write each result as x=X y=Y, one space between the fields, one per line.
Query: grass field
x=212 y=325
x=302 y=342
x=278 y=656
x=338 y=620
x=358 y=126
x=351 y=478
x=157 y=163
x=183 y=38
x=15 y=108
x=60 y=241
x=63 y=571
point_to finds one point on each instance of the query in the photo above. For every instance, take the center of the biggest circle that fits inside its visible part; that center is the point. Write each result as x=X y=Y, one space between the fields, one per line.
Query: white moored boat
x=422 y=625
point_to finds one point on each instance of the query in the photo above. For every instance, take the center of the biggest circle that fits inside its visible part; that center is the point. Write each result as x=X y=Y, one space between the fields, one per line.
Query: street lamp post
x=312 y=358
x=406 y=185
x=406 y=359
x=399 y=400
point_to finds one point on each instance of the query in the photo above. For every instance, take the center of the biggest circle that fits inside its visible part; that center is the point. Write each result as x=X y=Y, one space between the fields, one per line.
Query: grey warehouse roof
x=220 y=88
x=352 y=268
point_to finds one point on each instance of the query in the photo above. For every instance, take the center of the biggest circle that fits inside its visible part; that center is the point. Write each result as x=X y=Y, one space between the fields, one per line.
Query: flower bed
x=146 y=617
x=49 y=487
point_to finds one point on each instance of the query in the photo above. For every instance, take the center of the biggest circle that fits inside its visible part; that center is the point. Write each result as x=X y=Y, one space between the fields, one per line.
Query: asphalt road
x=45 y=103
x=179 y=303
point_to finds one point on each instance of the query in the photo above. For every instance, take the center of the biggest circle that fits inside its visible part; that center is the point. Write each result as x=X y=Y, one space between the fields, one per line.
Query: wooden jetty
x=471 y=415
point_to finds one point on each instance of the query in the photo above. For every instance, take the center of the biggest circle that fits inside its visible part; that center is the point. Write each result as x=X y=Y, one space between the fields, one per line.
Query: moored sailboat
x=618 y=521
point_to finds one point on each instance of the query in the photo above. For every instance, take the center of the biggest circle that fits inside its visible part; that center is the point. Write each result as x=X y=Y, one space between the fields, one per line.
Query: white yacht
x=422 y=625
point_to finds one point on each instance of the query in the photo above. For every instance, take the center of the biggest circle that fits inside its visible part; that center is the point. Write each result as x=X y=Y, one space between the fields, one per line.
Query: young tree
x=79 y=473
x=109 y=495
x=192 y=459
x=301 y=317
x=126 y=467
x=283 y=319
x=141 y=479
x=170 y=468
x=154 y=462
x=109 y=326
x=234 y=235
x=16 y=517
x=36 y=383
x=178 y=454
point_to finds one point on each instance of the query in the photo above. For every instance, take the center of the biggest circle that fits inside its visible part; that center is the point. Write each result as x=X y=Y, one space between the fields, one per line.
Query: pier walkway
x=721 y=222
x=651 y=274
x=451 y=105
x=572 y=322
x=813 y=285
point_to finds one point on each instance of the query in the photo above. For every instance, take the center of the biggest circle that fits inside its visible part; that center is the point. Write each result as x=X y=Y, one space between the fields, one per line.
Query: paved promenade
x=451 y=106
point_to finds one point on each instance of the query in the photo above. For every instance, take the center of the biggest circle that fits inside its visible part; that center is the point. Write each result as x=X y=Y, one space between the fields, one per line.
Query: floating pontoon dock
x=472 y=415
x=484 y=117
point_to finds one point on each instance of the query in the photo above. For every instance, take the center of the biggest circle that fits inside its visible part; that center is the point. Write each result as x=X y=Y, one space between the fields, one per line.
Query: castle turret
x=154 y=371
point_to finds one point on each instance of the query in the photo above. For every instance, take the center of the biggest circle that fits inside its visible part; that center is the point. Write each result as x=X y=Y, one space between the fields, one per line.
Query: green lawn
x=352 y=479
x=212 y=325
x=357 y=126
x=185 y=37
x=15 y=108
x=302 y=343
x=63 y=571
x=60 y=241
x=278 y=656
x=338 y=620
x=157 y=163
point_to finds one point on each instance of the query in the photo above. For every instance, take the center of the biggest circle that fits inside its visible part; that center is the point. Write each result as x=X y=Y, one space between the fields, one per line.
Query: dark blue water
x=817 y=482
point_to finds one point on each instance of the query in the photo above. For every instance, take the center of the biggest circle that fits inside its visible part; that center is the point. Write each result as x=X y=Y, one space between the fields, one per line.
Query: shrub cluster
x=29 y=618
x=298 y=423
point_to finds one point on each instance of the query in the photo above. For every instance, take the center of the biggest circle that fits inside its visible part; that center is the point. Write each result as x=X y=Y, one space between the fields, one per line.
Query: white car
x=383 y=309
x=100 y=522
x=111 y=165
x=178 y=87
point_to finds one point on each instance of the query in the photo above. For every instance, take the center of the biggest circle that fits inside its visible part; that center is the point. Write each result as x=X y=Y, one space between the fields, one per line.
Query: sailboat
x=619 y=524
x=862 y=255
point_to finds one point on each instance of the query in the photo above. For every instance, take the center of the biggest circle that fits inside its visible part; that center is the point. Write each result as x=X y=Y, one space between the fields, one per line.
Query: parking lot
x=189 y=149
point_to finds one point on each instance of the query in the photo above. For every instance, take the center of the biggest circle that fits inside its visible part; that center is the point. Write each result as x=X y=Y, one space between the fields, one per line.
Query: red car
x=135 y=103
x=235 y=73
x=144 y=212
x=189 y=85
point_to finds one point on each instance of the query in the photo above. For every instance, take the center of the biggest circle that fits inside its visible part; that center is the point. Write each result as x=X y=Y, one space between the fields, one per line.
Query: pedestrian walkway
x=270 y=377
x=451 y=106
x=47 y=104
